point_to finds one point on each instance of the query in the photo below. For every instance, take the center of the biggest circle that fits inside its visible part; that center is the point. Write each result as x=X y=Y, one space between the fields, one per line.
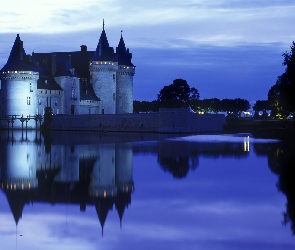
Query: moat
x=78 y=190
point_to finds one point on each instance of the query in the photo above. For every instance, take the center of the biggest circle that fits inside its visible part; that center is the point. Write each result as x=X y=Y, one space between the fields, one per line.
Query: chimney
x=83 y=48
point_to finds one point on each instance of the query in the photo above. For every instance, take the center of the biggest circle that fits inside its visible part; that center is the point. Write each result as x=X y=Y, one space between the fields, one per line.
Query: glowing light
x=247 y=144
x=104 y=194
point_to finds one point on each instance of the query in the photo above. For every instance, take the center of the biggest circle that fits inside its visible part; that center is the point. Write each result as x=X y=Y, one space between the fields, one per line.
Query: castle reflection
x=92 y=169
x=34 y=169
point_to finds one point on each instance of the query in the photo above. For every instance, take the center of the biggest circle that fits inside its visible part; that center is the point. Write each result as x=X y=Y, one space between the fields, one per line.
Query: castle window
x=28 y=100
x=39 y=101
x=73 y=93
x=55 y=103
x=31 y=87
x=114 y=77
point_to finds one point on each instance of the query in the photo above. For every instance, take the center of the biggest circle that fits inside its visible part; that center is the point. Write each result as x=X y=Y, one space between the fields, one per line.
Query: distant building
x=80 y=82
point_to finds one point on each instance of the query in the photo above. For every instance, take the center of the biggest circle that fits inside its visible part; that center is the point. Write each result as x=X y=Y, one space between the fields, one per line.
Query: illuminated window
x=28 y=100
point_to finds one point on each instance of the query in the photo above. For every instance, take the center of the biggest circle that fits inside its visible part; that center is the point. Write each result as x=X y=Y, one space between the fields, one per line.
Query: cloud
x=221 y=23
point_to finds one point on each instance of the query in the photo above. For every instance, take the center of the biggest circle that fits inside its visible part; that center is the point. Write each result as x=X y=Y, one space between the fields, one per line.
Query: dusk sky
x=225 y=49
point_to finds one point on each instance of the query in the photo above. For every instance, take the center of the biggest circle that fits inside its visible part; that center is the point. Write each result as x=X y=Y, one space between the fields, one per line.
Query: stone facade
x=68 y=83
x=166 y=121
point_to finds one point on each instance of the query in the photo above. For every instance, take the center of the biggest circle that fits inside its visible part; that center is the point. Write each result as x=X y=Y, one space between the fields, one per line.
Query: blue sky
x=225 y=48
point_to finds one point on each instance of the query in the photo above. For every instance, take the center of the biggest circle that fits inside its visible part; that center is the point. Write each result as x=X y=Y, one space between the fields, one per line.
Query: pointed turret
x=123 y=55
x=103 y=50
x=18 y=60
x=125 y=73
x=102 y=207
x=103 y=68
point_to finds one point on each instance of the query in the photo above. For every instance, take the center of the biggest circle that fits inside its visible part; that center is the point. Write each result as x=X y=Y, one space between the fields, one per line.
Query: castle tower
x=68 y=79
x=125 y=73
x=19 y=85
x=18 y=167
x=103 y=70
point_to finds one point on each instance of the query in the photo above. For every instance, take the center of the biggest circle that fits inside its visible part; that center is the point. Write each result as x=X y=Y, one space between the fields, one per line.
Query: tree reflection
x=177 y=158
x=281 y=161
x=286 y=185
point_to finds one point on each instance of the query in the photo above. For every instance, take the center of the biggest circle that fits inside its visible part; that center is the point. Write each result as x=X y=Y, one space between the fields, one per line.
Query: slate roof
x=123 y=55
x=103 y=51
x=18 y=60
x=64 y=68
x=79 y=60
x=87 y=92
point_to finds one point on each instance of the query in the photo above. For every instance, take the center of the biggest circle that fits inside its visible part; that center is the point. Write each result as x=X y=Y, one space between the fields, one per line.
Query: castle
x=70 y=83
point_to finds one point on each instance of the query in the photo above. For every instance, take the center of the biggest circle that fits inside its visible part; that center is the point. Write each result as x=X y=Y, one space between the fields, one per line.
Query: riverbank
x=262 y=128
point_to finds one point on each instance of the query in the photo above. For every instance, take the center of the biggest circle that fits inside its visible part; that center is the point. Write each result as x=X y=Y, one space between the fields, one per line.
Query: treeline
x=213 y=105
x=179 y=94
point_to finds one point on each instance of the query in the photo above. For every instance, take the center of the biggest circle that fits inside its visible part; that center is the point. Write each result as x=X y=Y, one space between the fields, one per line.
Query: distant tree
x=145 y=106
x=178 y=94
x=281 y=96
x=206 y=105
x=261 y=105
x=234 y=106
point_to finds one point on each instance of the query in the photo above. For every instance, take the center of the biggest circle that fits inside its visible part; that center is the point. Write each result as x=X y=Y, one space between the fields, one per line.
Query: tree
x=261 y=105
x=178 y=94
x=234 y=106
x=281 y=96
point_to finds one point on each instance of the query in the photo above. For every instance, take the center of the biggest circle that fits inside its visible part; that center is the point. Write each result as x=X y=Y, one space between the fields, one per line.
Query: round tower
x=103 y=70
x=19 y=86
x=125 y=73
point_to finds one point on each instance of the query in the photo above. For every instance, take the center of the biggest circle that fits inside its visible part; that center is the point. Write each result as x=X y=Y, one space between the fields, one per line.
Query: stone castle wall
x=103 y=80
x=124 y=90
x=166 y=121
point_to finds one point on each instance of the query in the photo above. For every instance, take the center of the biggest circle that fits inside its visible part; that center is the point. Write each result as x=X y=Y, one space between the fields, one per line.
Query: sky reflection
x=223 y=202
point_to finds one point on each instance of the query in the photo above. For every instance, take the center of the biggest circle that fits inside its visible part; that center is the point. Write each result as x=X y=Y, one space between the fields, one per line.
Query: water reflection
x=97 y=170
x=86 y=174
x=282 y=162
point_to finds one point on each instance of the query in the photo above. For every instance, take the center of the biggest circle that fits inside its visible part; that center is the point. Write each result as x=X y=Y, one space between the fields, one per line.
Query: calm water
x=141 y=191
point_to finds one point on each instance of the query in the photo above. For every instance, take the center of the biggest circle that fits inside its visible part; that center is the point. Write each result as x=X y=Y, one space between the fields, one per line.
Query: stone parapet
x=165 y=121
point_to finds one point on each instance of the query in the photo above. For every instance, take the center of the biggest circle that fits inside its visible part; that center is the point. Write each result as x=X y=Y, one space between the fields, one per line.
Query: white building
x=71 y=83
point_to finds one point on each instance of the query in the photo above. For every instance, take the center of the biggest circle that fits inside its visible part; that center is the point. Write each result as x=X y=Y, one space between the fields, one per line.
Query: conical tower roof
x=103 y=51
x=123 y=54
x=18 y=60
x=102 y=206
